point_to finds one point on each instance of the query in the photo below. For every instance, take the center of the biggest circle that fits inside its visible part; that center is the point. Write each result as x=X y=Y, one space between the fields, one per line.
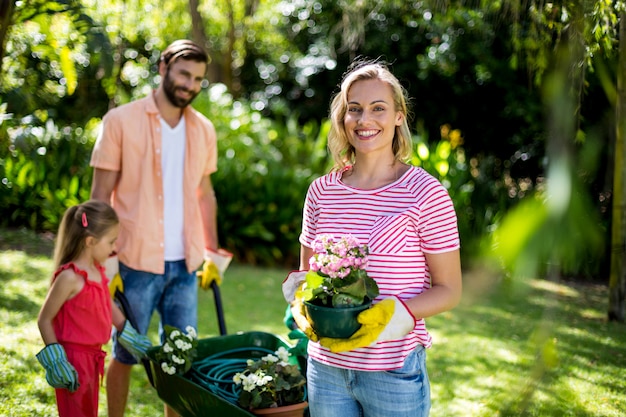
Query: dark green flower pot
x=338 y=323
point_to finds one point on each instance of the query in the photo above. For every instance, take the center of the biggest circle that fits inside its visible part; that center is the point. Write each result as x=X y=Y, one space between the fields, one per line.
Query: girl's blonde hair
x=338 y=145
x=92 y=218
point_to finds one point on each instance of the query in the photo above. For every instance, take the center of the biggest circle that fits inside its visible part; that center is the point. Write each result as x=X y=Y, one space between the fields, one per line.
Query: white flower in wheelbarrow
x=178 y=351
x=270 y=382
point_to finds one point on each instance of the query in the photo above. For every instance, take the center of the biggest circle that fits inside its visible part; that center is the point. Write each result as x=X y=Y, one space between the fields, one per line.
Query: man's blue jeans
x=174 y=295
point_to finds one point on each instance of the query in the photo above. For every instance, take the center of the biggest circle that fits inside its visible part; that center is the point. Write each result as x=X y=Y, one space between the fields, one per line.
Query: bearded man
x=152 y=162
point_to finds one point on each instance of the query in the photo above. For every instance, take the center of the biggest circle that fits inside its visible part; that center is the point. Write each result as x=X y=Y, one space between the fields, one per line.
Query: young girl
x=76 y=317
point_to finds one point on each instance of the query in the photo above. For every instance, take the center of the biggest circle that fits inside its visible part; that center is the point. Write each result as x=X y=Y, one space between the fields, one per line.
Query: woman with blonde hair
x=406 y=218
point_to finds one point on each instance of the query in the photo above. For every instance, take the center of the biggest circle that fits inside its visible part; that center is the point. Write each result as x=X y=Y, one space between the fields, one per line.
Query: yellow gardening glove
x=208 y=274
x=112 y=271
x=389 y=319
x=215 y=264
x=299 y=316
x=116 y=284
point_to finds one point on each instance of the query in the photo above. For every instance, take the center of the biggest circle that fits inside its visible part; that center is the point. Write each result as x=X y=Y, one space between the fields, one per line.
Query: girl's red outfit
x=82 y=326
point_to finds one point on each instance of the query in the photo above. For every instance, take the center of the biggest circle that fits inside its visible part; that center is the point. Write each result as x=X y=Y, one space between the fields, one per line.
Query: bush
x=44 y=170
x=264 y=170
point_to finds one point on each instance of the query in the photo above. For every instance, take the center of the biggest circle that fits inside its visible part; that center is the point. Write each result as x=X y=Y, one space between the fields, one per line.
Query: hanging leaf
x=69 y=71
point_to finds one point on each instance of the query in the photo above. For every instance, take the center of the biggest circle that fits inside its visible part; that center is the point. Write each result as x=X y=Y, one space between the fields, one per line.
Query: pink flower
x=338 y=258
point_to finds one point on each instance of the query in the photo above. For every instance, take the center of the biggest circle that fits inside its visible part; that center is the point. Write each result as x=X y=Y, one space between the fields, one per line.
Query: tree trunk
x=227 y=64
x=198 y=35
x=617 y=278
x=6 y=16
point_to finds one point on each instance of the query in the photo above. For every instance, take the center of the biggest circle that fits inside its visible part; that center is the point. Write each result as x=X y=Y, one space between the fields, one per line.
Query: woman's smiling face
x=371 y=118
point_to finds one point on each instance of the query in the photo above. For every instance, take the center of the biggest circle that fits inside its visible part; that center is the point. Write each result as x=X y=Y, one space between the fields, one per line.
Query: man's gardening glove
x=215 y=263
x=134 y=342
x=389 y=319
x=291 y=285
x=112 y=271
x=59 y=371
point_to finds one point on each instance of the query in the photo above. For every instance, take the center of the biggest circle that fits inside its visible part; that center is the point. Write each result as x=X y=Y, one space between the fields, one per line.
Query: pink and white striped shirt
x=399 y=222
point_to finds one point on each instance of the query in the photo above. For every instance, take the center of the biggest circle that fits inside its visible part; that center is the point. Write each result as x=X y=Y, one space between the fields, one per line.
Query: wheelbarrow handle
x=130 y=316
x=218 y=307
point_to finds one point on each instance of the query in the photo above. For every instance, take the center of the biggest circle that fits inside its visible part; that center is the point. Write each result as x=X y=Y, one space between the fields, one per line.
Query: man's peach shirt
x=130 y=143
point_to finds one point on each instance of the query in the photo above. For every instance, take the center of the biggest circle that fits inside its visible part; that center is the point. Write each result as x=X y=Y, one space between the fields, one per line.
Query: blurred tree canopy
x=479 y=68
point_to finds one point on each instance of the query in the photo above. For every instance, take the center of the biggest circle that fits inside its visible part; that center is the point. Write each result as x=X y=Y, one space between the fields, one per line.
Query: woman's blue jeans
x=336 y=392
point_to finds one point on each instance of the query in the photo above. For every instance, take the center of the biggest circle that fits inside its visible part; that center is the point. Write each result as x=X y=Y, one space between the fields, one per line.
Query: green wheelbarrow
x=190 y=399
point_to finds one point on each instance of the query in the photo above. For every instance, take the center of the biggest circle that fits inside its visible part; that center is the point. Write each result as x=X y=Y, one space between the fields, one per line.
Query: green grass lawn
x=527 y=348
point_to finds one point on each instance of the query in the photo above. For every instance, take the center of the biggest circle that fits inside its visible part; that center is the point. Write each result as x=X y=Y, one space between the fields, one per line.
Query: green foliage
x=46 y=63
x=556 y=230
x=473 y=65
x=478 y=201
x=44 y=170
x=264 y=169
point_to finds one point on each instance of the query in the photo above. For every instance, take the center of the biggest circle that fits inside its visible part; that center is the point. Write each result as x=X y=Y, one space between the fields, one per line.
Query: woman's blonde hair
x=92 y=218
x=338 y=144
